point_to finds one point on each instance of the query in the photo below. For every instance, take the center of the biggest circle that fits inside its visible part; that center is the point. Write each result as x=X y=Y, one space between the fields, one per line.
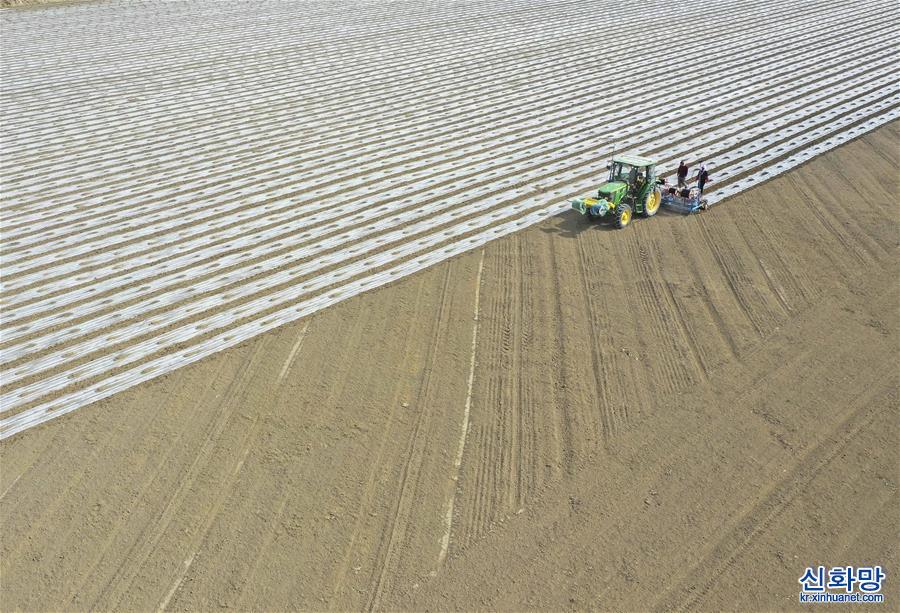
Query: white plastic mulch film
x=180 y=177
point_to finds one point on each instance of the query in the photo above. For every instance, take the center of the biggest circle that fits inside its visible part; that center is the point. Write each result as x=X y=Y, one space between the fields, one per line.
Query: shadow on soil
x=570 y=224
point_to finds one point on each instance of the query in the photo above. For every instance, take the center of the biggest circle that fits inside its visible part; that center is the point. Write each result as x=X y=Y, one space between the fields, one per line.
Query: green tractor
x=632 y=187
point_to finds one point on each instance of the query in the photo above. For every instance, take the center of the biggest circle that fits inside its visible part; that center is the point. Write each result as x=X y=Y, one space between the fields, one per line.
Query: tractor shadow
x=571 y=223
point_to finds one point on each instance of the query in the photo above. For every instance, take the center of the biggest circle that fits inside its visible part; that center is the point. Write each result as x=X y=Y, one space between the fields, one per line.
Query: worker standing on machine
x=702 y=177
x=682 y=174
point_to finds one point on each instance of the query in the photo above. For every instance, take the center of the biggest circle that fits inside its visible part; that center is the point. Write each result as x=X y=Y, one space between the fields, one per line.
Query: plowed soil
x=682 y=415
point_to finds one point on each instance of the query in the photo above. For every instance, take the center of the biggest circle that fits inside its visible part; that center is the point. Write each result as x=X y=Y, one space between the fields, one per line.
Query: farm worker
x=702 y=177
x=682 y=174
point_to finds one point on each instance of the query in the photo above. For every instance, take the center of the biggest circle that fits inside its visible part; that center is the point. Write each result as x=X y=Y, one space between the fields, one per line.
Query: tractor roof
x=633 y=160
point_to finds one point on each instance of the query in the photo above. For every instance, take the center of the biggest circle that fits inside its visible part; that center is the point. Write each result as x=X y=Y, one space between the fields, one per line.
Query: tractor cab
x=632 y=173
x=631 y=187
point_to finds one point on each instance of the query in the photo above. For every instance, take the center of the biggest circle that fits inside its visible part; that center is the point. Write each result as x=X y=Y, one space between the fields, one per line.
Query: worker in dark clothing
x=682 y=174
x=702 y=177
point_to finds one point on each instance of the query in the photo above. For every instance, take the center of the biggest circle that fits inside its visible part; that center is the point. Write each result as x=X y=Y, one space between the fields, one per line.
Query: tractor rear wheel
x=651 y=203
x=623 y=216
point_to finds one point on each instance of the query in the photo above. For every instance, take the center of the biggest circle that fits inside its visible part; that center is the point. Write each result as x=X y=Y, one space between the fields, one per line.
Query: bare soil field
x=295 y=313
x=683 y=415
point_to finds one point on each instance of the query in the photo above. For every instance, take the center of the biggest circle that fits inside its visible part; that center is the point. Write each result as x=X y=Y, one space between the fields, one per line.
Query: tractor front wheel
x=623 y=216
x=651 y=204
